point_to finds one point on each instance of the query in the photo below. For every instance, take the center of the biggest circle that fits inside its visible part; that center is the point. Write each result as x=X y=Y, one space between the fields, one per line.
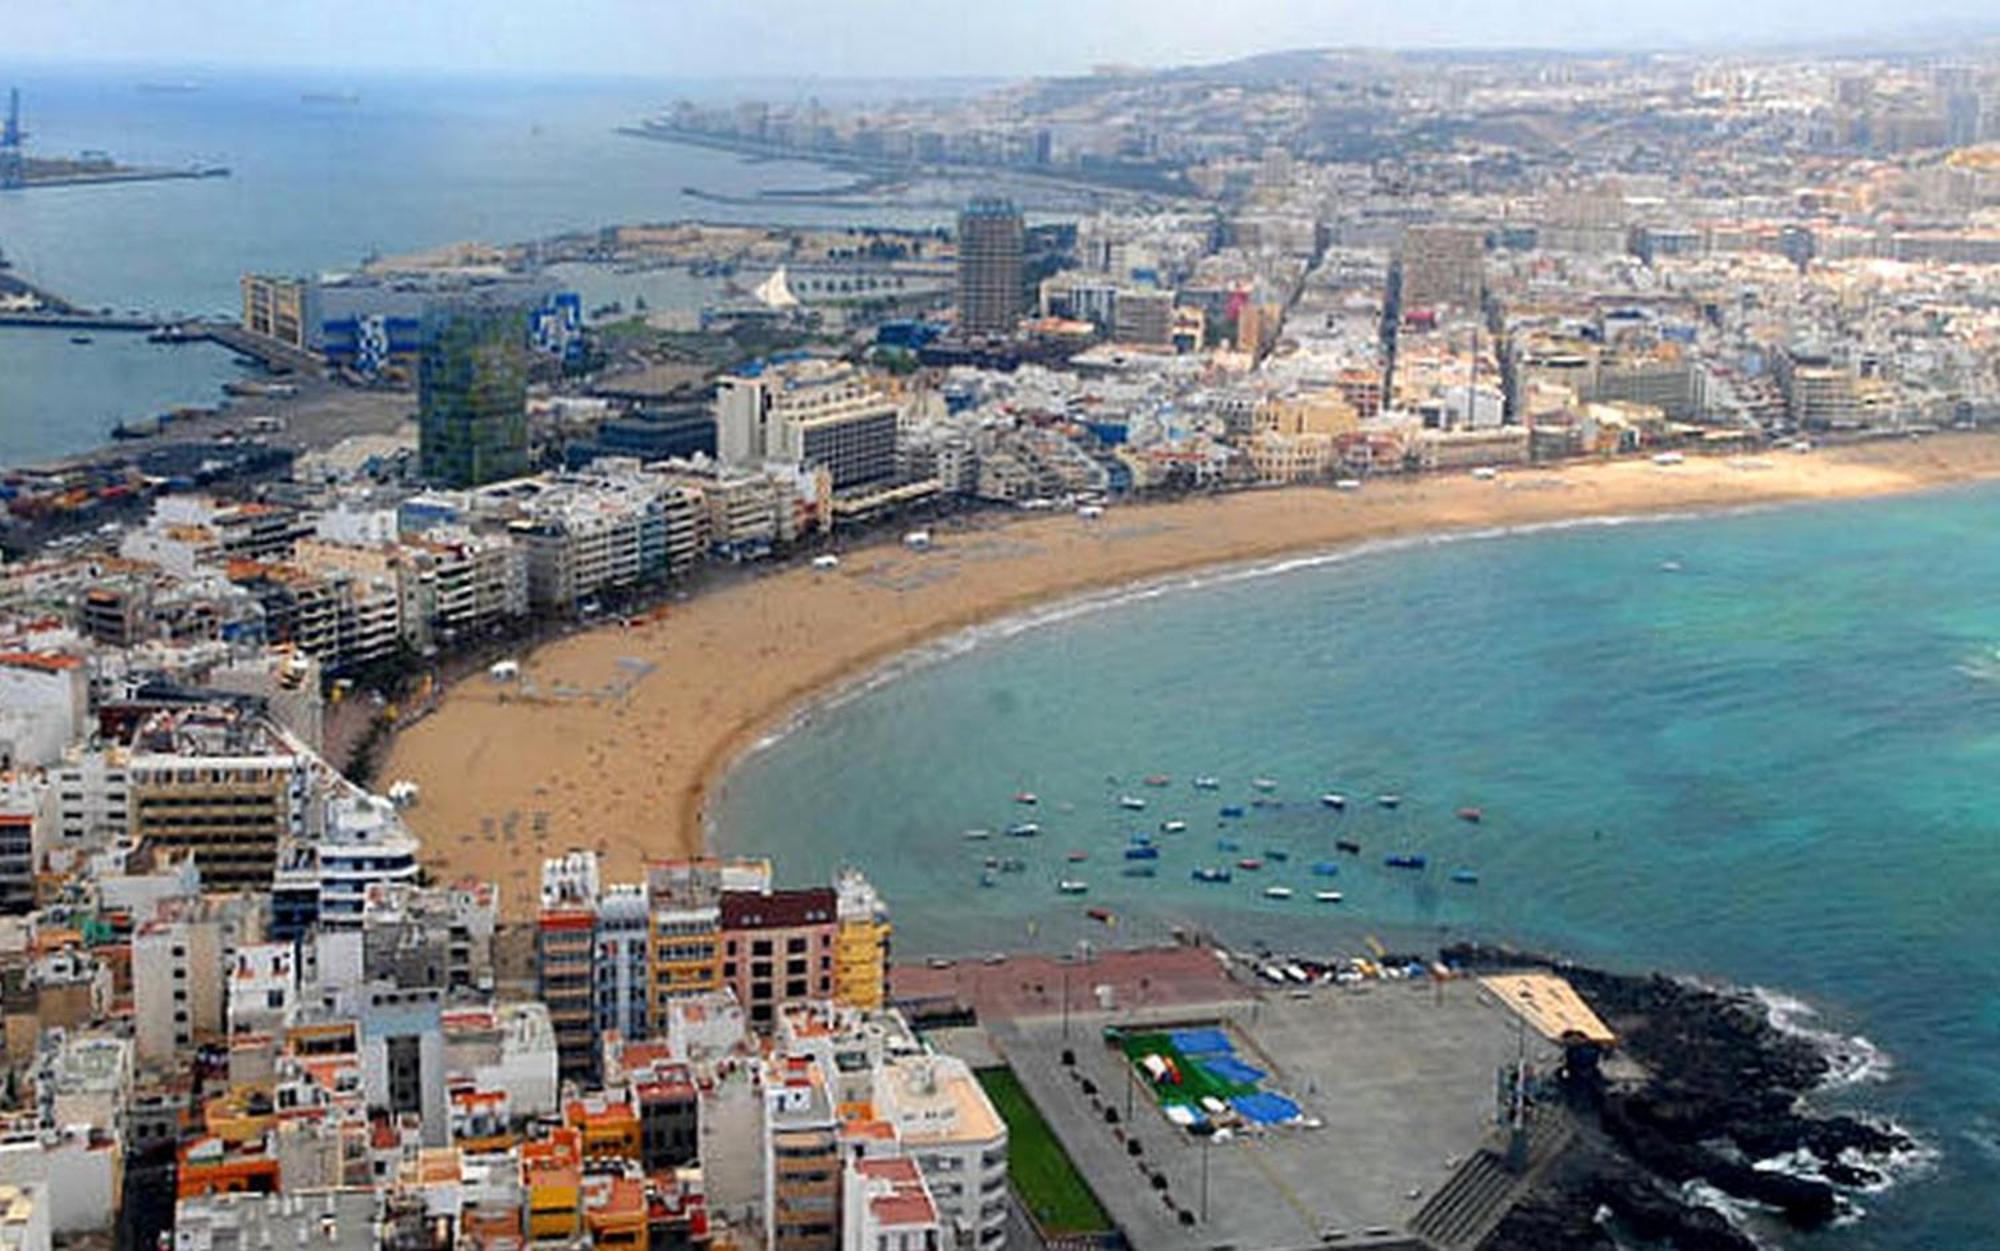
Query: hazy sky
x=874 y=38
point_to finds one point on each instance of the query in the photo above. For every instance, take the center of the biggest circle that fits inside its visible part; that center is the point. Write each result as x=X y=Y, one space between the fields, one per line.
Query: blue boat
x=1141 y=840
x=1325 y=868
x=1406 y=861
x=1465 y=877
x=1232 y=810
x=1210 y=875
x=1139 y=870
x=1228 y=844
x=1142 y=853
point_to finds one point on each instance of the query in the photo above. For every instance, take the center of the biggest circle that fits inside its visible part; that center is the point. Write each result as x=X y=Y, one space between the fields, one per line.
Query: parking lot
x=1400 y=1075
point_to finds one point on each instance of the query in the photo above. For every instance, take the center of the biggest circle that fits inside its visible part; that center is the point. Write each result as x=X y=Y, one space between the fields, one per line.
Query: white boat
x=1389 y=801
x=976 y=835
x=1208 y=784
x=1026 y=829
x=1277 y=892
x=1073 y=886
x=1333 y=799
x=1264 y=784
x=1026 y=797
x=1327 y=896
x=1173 y=827
x=1131 y=802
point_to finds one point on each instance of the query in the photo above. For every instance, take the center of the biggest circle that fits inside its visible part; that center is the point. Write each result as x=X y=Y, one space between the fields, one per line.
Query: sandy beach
x=615 y=736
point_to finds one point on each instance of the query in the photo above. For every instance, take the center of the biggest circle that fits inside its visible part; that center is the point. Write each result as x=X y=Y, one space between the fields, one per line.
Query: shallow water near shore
x=1758 y=748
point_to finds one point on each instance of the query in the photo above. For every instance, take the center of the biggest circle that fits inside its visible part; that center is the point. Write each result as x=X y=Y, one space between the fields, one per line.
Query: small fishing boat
x=1265 y=801
x=1139 y=870
x=1405 y=861
x=1142 y=853
x=1277 y=892
x=1013 y=864
x=1473 y=815
x=1334 y=800
x=1249 y=864
x=1077 y=857
x=1389 y=801
x=1264 y=784
x=1325 y=868
x=1231 y=811
x=1173 y=827
x=1026 y=829
x=1228 y=844
x=1073 y=886
x=977 y=835
x=1157 y=779
x=1348 y=845
x=1139 y=839
x=1026 y=797
x=1465 y=877
x=1277 y=855
x=1208 y=784
x=1099 y=914
x=1210 y=874
x=987 y=879
x=81 y=339
x=1328 y=896
x=1131 y=803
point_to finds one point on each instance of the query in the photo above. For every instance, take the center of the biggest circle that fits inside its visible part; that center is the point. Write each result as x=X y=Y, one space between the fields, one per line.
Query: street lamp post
x=1206 y=1142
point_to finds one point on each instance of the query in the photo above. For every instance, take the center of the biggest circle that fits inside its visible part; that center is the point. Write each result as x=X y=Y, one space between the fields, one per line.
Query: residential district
x=240 y=1014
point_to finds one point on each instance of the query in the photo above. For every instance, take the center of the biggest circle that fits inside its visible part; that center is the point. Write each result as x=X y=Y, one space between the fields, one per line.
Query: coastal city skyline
x=839 y=40
x=1148 y=628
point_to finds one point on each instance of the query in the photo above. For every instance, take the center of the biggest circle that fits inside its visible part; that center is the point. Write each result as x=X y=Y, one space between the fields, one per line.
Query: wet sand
x=615 y=736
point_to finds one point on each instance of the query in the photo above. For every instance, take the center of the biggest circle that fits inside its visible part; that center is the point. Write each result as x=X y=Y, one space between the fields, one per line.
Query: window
x=793 y=946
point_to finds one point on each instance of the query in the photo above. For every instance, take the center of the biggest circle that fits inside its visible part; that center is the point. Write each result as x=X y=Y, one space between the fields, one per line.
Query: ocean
x=1760 y=748
x=409 y=164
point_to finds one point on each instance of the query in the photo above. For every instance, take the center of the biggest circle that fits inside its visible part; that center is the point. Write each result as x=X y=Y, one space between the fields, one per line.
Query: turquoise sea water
x=1761 y=748
x=411 y=164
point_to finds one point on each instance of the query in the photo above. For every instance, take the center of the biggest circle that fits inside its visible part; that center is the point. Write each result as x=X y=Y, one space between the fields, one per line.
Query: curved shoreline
x=774 y=649
x=868 y=674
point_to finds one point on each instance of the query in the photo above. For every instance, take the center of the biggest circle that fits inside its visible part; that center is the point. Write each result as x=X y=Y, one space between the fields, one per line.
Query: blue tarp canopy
x=1201 y=1042
x=1265 y=1108
x=1230 y=1069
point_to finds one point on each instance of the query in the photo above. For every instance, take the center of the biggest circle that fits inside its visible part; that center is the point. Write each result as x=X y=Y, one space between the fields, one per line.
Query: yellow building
x=552 y=1173
x=684 y=942
x=609 y=1126
x=275 y=308
x=860 y=943
x=1321 y=412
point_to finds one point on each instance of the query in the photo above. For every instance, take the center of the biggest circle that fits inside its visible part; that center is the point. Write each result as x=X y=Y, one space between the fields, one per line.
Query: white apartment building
x=948 y=1126
x=808 y=412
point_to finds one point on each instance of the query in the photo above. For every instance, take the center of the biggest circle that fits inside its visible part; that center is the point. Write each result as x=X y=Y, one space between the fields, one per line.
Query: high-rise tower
x=472 y=393
x=12 y=166
x=990 y=240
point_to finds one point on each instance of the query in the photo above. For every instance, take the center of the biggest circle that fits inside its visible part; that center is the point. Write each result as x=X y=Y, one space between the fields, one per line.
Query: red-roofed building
x=778 y=946
x=887 y=1207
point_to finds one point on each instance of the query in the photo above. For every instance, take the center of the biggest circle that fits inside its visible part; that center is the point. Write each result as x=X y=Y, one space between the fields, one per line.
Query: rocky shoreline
x=1704 y=1095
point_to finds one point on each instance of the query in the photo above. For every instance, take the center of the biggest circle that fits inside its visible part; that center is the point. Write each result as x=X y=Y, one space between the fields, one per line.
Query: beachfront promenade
x=507 y=782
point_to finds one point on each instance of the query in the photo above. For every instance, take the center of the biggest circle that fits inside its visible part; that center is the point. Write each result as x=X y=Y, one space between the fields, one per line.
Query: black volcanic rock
x=1723 y=1087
